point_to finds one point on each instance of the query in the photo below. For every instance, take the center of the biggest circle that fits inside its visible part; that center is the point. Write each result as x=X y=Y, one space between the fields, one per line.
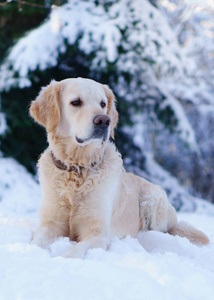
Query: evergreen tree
x=126 y=44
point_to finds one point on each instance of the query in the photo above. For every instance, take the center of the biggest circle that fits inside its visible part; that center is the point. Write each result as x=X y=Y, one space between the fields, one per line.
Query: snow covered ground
x=152 y=266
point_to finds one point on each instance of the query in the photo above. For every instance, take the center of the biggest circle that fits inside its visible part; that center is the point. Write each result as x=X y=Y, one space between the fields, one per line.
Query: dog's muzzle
x=101 y=126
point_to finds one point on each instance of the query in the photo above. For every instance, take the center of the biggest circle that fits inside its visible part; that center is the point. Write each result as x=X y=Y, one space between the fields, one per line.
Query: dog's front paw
x=77 y=251
x=42 y=237
x=40 y=242
x=80 y=249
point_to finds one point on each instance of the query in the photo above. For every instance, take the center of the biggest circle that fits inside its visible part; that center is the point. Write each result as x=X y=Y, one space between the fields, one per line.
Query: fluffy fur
x=98 y=199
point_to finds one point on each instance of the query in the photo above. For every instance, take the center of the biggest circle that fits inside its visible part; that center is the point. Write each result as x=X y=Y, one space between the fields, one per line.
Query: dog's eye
x=76 y=102
x=102 y=104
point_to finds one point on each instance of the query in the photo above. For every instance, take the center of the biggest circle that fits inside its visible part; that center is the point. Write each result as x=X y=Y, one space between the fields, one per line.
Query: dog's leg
x=183 y=229
x=47 y=234
x=80 y=249
x=92 y=232
x=54 y=216
x=92 y=222
x=51 y=229
x=43 y=236
x=158 y=214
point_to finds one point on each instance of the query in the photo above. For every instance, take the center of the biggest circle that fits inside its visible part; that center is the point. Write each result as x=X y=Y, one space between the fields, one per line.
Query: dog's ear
x=111 y=112
x=45 y=109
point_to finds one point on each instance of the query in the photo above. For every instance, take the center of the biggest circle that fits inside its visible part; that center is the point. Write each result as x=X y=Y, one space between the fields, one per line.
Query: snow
x=19 y=193
x=3 y=124
x=152 y=266
x=96 y=30
x=183 y=126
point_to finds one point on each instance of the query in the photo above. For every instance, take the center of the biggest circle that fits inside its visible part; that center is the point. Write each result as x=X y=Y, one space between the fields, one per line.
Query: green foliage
x=23 y=140
x=166 y=116
x=14 y=23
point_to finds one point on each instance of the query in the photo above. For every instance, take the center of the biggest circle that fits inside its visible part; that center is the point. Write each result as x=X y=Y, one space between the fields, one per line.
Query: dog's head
x=79 y=108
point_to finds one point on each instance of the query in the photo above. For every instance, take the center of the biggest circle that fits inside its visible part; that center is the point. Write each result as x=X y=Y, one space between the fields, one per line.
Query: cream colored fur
x=97 y=202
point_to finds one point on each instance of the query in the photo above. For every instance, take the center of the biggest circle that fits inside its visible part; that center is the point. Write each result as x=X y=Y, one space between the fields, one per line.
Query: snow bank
x=163 y=267
x=152 y=266
x=19 y=192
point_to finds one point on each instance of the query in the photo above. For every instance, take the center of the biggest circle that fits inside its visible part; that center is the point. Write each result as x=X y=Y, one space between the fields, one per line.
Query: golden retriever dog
x=86 y=193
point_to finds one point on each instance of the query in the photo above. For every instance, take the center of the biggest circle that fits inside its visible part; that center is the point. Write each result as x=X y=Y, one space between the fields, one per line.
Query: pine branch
x=20 y=2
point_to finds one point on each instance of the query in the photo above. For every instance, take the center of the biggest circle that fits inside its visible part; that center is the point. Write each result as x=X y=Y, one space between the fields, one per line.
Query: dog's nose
x=101 y=121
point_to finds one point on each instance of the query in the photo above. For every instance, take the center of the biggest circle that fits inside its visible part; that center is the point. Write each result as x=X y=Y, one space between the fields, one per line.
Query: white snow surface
x=152 y=266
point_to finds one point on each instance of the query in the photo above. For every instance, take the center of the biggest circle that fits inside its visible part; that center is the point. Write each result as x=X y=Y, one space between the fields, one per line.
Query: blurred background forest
x=156 y=55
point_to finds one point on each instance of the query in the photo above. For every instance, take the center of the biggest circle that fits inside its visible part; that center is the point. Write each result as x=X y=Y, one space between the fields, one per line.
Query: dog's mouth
x=100 y=134
x=96 y=137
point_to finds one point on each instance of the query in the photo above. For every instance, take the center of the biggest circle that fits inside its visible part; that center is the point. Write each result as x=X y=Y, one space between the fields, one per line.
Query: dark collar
x=60 y=165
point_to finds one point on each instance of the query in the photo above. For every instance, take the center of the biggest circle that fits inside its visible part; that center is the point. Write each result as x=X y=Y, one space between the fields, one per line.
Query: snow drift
x=153 y=265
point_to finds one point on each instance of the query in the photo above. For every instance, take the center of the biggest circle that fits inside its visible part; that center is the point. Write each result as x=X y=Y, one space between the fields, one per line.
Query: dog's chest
x=75 y=187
